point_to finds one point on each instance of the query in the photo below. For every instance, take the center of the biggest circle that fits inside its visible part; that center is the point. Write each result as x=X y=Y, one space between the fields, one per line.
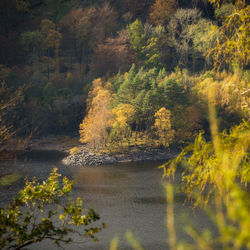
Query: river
x=127 y=196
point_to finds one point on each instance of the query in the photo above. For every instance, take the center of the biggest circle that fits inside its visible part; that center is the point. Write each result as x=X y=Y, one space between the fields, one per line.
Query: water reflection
x=127 y=196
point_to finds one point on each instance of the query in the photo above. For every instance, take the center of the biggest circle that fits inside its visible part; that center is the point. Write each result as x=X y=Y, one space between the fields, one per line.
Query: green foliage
x=224 y=11
x=174 y=93
x=137 y=36
x=203 y=37
x=152 y=50
x=147 y=41
x=41 y=211
x=31 y=41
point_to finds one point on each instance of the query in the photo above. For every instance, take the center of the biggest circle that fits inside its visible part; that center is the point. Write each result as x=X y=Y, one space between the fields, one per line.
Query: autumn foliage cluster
x=153 y=108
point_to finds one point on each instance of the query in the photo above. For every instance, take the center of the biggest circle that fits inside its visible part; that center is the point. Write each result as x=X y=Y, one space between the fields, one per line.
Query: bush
x=41 y=211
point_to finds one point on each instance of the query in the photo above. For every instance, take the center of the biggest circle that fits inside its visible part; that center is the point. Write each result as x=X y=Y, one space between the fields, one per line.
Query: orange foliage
x=113 y=55
x=162 y=10
x=93 y=129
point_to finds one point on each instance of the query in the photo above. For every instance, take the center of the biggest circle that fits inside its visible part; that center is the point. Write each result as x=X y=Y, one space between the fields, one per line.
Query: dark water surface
x=128 y=197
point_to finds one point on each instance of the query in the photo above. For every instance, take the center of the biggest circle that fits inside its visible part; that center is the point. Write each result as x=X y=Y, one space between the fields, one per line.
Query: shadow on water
x=34 y=155
x=42 y=155
x=150 y=200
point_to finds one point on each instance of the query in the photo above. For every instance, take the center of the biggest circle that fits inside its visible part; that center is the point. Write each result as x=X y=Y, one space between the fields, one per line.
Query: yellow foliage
x=163 y=126
x=233 y=47
x=74 y=150
x=121 y=131
x=124 y=113
x=93 y=129
x=231 y=92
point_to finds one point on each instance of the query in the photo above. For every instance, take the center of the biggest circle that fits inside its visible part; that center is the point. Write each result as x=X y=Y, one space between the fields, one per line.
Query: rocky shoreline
x=86 y=157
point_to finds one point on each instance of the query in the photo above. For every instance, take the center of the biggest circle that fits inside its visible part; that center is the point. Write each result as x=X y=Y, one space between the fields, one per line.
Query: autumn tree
x=94 y=127
x=105 y=22
x=162 y=126
x=113 y=55
x=79 y=24
x=233 y=45
x=162 y=10
x=86 y=28
x=121 y=124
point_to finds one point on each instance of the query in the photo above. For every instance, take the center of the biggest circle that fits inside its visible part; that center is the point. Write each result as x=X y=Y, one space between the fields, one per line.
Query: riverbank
x=83 y=156
x=86 y=157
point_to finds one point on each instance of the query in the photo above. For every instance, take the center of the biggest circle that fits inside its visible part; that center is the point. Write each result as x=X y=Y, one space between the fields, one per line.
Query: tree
x=31 y=41
x=162 y=10
x=174 y=93
x=180 y=38
x=121 y=125
x=233 y=46
x=51 y=41
x=137 y=9
x=162 y=127
x=86 y=28
x=105 y=22
x=112 y=56
x=203 y=38
x=137 y=37
x=31 y=217
x=153 y=50
x=147 y=41
x=218 y=171
x=79 y=24
x=94 y=127
x=224 y=11
x=57 y=8
x=127 y=90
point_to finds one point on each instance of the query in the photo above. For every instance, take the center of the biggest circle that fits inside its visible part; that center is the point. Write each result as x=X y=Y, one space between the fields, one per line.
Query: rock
x=85 y=157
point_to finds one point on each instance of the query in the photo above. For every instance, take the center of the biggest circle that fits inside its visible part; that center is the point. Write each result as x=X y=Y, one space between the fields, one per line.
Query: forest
x=153 y=74
x=145 y=67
